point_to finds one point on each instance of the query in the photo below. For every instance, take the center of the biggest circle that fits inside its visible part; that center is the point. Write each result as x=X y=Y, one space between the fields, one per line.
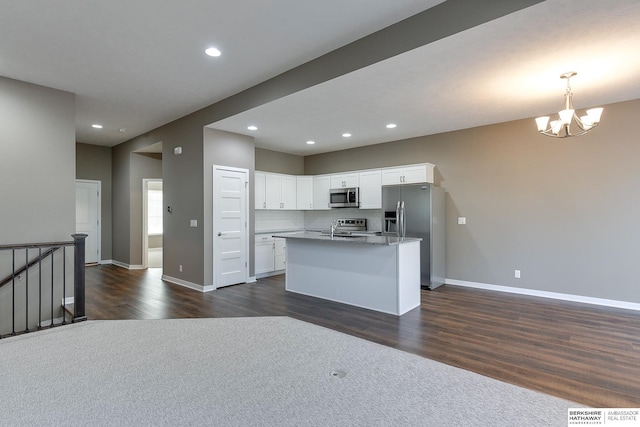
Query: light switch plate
x=462 y=220
x=194 y=223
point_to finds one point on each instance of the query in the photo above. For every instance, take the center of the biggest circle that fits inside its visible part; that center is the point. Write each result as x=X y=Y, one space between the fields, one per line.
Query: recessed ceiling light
x=391 y=125
x=252 y=127
x=311 y=142
x=212 y=51
x=346 y=135
x=96 y=126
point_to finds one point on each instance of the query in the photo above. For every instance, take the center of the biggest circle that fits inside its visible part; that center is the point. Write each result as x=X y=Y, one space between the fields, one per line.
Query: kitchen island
x=380 y=273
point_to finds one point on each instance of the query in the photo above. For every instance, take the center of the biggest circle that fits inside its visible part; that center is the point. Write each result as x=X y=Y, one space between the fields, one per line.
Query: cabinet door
x=344 y=180
x=279 y=254
x=392 y=176
x=273 y=192
x=370 y=190
x=287 y=192
x=415 y=174
x=264 y=257
x=304 y=192
x=261 y=202
x=321 y=186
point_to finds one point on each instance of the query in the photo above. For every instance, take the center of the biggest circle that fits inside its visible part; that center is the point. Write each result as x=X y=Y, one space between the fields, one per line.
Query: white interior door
x=230 y=235
x=88 y=217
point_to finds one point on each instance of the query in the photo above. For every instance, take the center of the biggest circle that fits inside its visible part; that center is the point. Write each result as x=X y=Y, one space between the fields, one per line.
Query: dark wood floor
x=587 y=354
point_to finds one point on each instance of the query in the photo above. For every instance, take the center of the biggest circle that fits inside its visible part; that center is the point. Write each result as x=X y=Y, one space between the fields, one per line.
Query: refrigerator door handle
x=398 y=219
x=403 y=226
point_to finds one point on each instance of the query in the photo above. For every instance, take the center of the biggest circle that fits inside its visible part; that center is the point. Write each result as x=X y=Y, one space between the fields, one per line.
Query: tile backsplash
x=271 y=221
x=321 y=220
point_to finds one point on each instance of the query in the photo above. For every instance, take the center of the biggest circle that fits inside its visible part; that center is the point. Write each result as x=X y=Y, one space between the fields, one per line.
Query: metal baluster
x=26 y=289
x=52 y=258
x=13 y=292
x=64 y=285
x=39 y=289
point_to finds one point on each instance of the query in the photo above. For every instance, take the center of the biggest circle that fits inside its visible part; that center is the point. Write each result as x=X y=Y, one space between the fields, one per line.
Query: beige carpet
x=267 y=371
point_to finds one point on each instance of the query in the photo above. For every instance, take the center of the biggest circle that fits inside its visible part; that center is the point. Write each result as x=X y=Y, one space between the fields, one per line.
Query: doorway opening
x=152 y=228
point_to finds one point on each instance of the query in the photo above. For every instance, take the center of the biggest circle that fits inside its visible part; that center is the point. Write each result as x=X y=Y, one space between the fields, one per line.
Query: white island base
x=381 y=277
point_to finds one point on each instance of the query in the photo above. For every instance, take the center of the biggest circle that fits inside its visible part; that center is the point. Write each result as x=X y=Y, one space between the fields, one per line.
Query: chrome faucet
x=334 y=226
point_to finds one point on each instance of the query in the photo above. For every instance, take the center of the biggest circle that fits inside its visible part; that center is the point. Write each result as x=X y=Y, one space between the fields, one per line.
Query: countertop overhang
x=368 y=240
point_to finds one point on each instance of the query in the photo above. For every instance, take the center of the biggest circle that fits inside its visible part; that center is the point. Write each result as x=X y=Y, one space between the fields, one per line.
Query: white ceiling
x=138 y=65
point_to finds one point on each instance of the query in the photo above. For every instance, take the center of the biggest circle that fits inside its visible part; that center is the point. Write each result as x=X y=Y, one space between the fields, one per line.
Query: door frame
x=99 y=213
x=213 y=220
x=145 y=220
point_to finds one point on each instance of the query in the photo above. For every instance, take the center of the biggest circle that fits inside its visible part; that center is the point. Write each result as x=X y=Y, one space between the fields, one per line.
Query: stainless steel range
x=348 y=227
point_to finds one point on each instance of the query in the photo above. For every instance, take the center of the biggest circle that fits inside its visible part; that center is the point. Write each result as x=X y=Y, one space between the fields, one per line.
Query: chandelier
x=561 y=128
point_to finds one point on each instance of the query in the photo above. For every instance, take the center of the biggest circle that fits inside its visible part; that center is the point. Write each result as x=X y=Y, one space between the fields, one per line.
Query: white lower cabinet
x=279 y=259
x=264 y=251
x=269 y=254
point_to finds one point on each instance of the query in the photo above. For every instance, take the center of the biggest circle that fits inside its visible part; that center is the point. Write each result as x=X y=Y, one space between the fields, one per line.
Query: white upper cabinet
x=345 y=180
x=304 y=191
x=371 y=189
x=321 y=186
x=261 y=201
x=280 y=191
x=412 y=174
x=288 y=192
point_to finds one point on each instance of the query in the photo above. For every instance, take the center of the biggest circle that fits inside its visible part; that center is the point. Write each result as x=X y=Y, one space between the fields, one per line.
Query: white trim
x=545 y=294
x=252 y=279
x=127 y=266
x=187 y=284
x=106 y=262
x=145 y=221
x=68 y=301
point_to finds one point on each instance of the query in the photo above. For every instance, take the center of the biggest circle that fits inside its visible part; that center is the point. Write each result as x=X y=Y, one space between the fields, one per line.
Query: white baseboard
x=187 y=284
x=106 y=262
x=68 y=301
x=127 y=266
x=545 y=294
x=252 y=279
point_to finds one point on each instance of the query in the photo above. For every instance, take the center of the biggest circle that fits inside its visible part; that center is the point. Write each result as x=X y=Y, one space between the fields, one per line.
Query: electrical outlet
x=180 y=267
x=517 y=274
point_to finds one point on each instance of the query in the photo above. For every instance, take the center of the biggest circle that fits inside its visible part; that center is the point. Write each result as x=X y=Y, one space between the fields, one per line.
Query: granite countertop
x=280 y=231
x=369 y=240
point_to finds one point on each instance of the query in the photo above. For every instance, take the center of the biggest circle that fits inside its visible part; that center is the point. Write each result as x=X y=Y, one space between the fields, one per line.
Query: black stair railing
x=28 y=265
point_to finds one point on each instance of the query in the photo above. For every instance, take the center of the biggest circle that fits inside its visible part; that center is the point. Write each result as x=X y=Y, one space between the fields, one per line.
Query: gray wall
x=128 y=170
x=37 y=184
x=37 y=165
x=563 y=211
x=94 y=162
x=143 y=166
x=276 y=162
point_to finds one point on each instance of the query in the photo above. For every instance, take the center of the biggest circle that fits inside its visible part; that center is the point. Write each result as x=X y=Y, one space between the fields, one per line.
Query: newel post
x=78 y=278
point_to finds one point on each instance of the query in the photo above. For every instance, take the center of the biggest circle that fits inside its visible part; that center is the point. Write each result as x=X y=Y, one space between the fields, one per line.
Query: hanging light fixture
x=561 y=128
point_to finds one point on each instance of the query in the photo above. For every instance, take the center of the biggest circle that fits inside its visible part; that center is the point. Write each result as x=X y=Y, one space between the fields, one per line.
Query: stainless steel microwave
x=344 y=197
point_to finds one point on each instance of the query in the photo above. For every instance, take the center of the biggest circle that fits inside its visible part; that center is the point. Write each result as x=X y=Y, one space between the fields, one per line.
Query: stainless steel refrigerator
x=418 y=210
